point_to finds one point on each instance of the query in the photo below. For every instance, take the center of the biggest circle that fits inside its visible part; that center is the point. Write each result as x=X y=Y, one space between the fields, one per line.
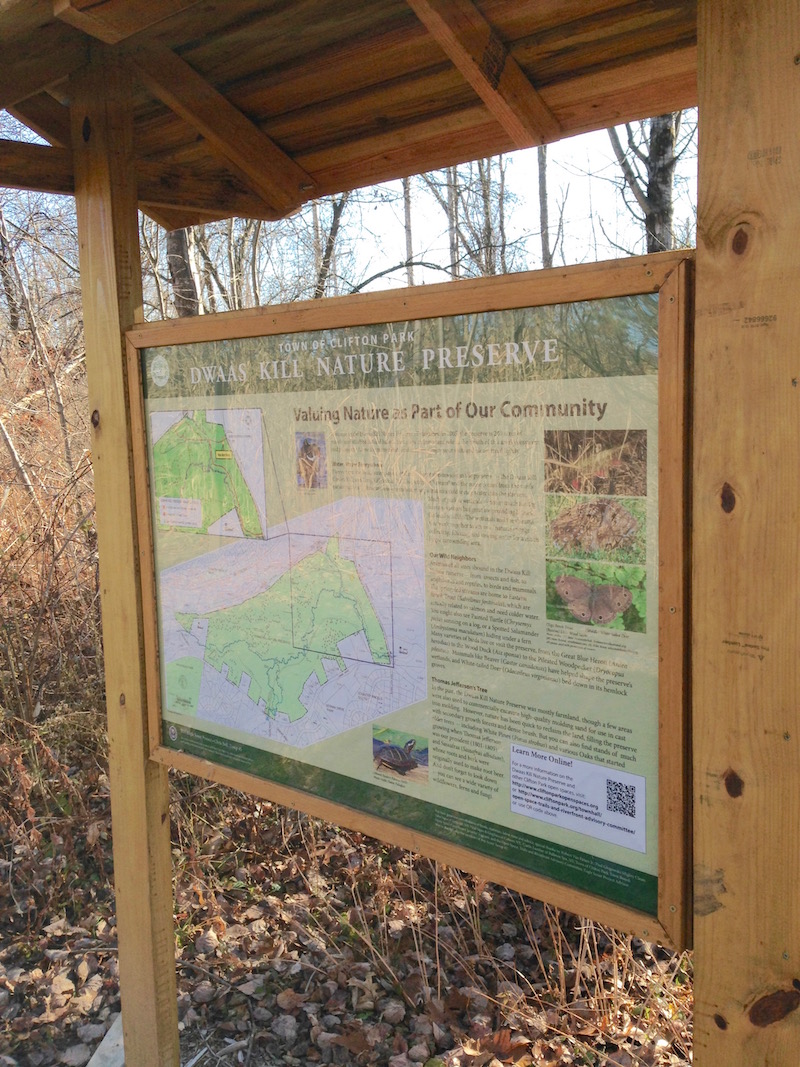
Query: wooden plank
x=260 y=163
x=35 y=166
x=746 y=554
x=605 y=37
x=112 y=301
x=437 y=90
x=486 y=62
x=636 y=274
x=253 y=36
x=180 y=218
x=144 y=519
x=18 y=17
x=674 y=745
x=449 y=127
x=187 y=189
x=113 y=21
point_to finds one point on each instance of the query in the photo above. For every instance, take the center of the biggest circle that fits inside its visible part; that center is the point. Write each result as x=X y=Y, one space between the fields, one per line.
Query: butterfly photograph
x=597 y=595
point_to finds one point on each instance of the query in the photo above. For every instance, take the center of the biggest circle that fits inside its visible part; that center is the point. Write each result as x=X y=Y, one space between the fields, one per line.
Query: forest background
x=296 y=941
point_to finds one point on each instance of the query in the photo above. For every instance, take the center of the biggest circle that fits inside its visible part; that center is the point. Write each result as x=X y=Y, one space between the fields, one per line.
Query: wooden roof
x=252 y=107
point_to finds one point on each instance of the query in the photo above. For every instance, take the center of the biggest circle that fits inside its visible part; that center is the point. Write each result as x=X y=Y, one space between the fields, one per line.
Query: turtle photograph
x=400 y=755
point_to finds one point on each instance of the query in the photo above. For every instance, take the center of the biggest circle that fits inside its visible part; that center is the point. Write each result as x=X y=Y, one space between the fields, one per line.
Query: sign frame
x=669 y=275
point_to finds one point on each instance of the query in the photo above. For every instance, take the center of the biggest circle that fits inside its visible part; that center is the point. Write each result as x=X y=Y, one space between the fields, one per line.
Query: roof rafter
x=113 y=21
x=475 y=48
x=168 y=188
x=247 y=151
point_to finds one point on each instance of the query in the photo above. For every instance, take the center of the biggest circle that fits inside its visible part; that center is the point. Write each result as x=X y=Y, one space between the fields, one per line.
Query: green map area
x=193 y=460
x=281 y=637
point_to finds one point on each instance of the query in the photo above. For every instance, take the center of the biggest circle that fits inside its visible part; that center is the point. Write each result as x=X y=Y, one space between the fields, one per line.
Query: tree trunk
x=544 y=222
x=409 y=241
x=184 y=288
x=452 y=218
x=652 y=190
x=661 y=174
x=7 y=280
x=330 y=243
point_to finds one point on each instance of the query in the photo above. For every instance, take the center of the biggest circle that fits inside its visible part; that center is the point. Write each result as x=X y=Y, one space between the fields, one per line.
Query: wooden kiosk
x=194 y=112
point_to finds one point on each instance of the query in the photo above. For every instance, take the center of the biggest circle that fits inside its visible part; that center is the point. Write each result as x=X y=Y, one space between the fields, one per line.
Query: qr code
x=621 y=798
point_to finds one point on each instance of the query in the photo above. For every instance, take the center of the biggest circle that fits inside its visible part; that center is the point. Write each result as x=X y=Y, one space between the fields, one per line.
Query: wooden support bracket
x=249 y=153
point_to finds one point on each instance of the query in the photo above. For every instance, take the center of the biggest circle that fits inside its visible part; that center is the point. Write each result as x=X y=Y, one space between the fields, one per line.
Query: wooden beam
x=113 y=21
x=187 y=189
x=37 y=167
x=257 y=160
x=179 y=219
x=45 y=116
x=32 y=62
x=485 y=61
x=171 y=187
x=112 y=302
x=746 y=564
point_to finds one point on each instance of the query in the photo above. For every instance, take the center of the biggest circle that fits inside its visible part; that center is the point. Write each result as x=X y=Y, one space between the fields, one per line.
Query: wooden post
x=111 y=282
x=746 y=536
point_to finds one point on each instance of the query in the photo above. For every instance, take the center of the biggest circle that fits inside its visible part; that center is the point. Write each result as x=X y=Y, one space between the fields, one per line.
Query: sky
x=584 y=185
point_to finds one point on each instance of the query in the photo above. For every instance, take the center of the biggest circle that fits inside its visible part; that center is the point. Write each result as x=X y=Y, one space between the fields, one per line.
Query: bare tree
x=544 y=221
x=475 y=200
x=329 y=247
x=648 y=162
x=407 y=228
x=185 y=294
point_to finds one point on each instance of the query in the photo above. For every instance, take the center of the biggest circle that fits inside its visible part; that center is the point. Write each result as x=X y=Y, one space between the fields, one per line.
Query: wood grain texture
x=351 y=94
x=41 y=58
x=112 y=301
x=485 y=61
x=114 y=20
x=674 y=744
x=637 y=274
x=746 y=554
x=173 y=188
x=266 y=169
x=46 y=116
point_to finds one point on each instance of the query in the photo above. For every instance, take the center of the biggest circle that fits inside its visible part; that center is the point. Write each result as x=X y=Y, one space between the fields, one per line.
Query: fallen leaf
x=76 y=1056
x=207 y=942
x=354 y=1042
x=508 y=1046
x=289 y=1000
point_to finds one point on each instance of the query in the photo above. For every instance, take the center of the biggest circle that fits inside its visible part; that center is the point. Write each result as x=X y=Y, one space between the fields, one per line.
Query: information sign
x=411 y=567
